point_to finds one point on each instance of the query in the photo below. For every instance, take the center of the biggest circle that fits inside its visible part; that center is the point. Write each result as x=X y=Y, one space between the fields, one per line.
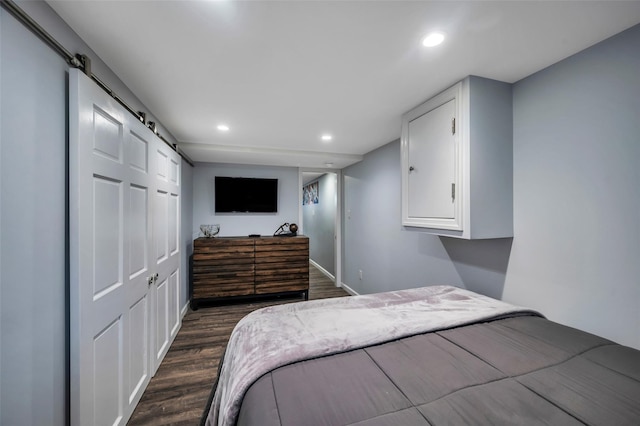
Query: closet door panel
x=166 y=172
x=138 y=238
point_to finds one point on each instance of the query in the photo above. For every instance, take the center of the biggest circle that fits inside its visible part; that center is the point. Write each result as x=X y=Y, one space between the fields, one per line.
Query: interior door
x=166 y=226
x=112 y=185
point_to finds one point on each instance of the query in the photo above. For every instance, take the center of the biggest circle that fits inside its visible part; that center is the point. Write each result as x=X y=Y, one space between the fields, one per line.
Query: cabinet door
x=431 y=150
x=432 y=163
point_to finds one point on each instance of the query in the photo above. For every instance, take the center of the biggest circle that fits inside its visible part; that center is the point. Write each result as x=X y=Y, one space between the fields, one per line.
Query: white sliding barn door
x=166 y=257
x=114 y=303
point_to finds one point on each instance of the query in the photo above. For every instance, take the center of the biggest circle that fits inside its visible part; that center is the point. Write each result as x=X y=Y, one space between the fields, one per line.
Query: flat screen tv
x=246 y=195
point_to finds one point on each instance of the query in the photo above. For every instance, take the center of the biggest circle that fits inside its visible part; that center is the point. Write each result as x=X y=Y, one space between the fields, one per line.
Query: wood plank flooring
x=180 y=389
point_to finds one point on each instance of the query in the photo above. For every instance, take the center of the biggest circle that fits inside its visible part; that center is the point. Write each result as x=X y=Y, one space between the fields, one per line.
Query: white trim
x=349 y=290
x=300 y=222
x=338 y=240
x=183 y=311
x=321 y=269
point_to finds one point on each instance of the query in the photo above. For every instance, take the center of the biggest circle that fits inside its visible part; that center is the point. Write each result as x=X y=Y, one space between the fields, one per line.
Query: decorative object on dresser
x=228 y=269
x=209 y=231
x=286 y=230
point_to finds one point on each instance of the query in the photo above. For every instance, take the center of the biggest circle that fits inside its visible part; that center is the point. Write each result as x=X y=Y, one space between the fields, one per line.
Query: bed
x=430 y=356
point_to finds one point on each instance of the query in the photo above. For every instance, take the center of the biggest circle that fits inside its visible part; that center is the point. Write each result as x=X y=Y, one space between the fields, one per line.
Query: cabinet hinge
x=453 y=192
x=453 y=126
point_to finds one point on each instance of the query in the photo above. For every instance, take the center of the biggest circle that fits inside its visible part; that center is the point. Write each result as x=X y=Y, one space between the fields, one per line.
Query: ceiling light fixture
x=326 y=138
x=223 y=127
x=433 y=39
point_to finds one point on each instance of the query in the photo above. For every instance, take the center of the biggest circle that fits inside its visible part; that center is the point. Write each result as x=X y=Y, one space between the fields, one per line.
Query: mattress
x=431 y=356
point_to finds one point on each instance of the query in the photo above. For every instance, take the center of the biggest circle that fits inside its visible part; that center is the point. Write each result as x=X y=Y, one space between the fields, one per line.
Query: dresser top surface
x=262 y=237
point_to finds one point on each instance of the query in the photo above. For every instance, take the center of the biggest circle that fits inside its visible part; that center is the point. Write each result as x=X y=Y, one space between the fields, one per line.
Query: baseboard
x=349 y=290
x=184 y=310
x=324 y=271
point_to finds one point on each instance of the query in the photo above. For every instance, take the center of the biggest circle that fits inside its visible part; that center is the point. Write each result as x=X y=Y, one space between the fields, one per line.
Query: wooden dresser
x=232 y=268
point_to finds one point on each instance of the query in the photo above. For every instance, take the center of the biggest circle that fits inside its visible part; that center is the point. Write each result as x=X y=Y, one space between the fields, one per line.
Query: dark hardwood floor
x=178 y=393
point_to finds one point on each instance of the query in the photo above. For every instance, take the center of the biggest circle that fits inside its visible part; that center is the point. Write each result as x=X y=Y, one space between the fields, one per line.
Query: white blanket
x=279 y=335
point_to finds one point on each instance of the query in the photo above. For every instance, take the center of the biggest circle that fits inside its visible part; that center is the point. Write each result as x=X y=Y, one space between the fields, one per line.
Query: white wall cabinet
x=457 y=162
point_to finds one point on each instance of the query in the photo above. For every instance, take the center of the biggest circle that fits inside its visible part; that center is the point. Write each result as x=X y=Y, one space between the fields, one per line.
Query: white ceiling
x=282 y=73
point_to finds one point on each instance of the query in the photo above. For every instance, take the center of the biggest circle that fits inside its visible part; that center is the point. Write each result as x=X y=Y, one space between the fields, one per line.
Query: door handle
x=152 y=279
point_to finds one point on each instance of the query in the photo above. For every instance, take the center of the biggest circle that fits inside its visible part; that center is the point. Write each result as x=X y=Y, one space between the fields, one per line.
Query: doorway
x=320 y=219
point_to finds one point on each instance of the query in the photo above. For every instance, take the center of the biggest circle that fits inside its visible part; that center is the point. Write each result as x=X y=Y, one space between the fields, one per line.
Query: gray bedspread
x=281 y=335
x=524 y=370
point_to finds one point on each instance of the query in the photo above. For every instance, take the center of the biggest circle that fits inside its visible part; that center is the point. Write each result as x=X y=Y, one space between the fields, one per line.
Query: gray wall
x=33 y=212
x=32 y=225
x=319 y=222
x=235 y=224
x=391 y=257
x=576 y=249
x=574 y=255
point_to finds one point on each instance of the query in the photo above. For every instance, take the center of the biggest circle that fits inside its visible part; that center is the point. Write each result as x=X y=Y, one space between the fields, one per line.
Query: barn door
x=166 y=224
x=113 y=265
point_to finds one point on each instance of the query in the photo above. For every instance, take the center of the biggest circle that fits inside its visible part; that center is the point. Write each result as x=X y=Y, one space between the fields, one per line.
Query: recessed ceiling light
x=326 y=138
x=433 y=39
x=223 y=127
